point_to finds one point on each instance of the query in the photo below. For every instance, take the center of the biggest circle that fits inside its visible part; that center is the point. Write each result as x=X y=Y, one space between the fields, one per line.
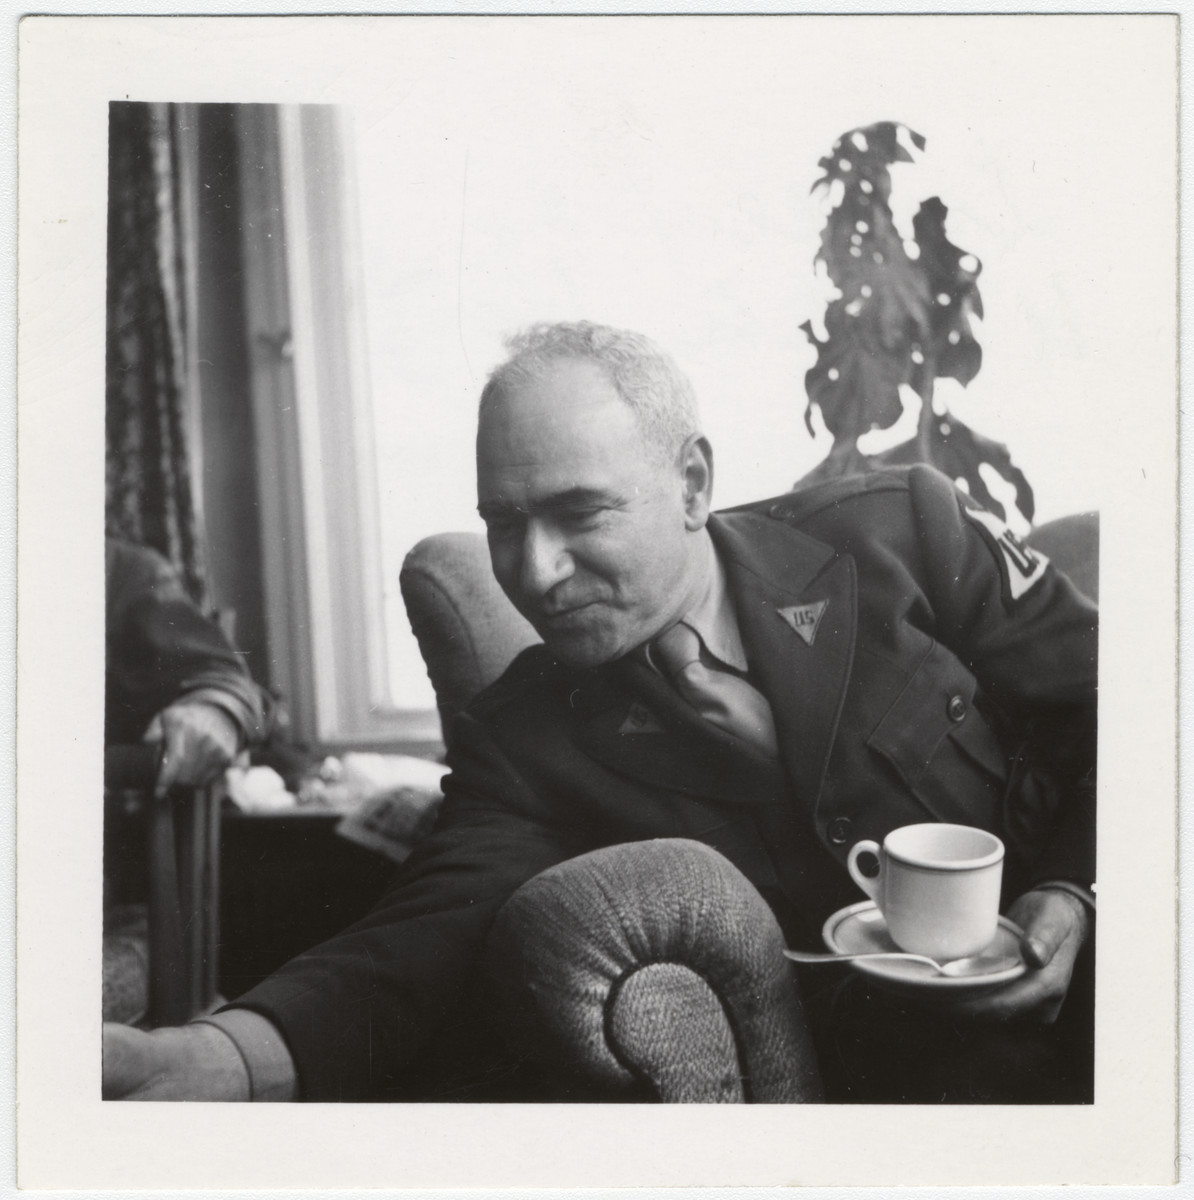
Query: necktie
x=719 y=696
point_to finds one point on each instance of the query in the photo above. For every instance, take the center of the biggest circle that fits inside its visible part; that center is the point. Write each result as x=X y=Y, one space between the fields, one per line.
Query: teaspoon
x=974 y=964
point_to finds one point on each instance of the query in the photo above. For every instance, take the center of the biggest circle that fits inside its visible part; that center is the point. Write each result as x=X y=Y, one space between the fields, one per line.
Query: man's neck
x=710 y=613
x=699 y=577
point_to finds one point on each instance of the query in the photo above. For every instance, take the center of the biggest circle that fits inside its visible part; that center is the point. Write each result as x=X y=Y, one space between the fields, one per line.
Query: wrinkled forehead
x=553 y=434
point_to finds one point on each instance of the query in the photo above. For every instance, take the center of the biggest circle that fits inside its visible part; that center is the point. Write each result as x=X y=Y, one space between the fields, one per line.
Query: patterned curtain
x=149 y=492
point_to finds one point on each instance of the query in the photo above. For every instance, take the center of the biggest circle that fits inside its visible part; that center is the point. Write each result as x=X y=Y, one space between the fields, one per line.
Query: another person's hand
x=1055 y=926
x=191 y=1062
x=199 y=740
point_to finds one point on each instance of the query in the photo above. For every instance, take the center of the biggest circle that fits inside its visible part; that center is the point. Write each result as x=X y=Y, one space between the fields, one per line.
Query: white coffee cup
x=937 y=887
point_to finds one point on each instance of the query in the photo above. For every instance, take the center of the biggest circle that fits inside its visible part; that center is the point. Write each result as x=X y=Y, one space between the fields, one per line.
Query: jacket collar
x=773 y=567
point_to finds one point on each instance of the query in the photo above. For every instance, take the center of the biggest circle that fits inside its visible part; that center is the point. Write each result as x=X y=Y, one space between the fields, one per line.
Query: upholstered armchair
x=647 y=970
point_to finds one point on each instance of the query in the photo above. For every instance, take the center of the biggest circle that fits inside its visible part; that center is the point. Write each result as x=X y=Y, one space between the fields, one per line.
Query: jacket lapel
x=676 y=748
x=636 y=724
x=801 y=658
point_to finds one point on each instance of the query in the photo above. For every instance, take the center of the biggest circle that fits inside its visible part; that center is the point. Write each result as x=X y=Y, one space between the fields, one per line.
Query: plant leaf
x=865 y=153
x=958 y=451
x=885 y=308
x=865 y=258
x=951 y=275
x=856 y=379
x=898 y=320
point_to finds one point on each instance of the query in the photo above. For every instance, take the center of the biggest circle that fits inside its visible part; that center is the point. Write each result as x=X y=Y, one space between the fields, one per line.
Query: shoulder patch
x=1022 y=566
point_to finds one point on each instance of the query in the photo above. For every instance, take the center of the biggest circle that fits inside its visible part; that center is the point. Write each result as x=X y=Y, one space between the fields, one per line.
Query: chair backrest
x=468 y=632
x=1072 y=545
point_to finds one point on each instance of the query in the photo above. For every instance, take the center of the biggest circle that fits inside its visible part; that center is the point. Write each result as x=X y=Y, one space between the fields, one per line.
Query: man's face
x=589 y=534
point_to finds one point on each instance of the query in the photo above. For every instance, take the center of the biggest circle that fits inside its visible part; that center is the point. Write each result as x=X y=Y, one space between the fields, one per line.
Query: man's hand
x=199 y=740
x=191 y=1062
x=1055 y=926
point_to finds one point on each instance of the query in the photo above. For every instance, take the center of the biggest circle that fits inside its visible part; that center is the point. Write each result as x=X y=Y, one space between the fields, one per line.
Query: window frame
x=318 y=492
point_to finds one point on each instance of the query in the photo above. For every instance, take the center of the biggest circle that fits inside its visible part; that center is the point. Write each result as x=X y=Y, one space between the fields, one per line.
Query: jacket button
x=956 y=708
x=839 y=830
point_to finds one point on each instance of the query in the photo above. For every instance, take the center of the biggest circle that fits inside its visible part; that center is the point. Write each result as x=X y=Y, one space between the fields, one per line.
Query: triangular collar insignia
x=640 y=719
x=805 y=619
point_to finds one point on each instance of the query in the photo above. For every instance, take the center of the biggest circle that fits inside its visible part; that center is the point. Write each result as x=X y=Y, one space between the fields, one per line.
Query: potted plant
x=901 y=317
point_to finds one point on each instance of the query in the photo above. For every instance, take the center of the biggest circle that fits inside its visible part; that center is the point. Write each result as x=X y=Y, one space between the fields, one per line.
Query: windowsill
x=429 y=748
x=413 y=731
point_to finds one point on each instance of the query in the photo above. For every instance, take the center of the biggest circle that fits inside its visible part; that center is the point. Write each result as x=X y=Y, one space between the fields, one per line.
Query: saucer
x=860 y=929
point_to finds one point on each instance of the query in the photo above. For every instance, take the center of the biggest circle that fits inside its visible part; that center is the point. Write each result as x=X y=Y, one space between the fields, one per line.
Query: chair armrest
x=182 y=850
x=653 y=963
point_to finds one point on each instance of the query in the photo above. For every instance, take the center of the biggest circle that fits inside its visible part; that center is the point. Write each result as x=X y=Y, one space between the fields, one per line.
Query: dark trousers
x=875 y=1047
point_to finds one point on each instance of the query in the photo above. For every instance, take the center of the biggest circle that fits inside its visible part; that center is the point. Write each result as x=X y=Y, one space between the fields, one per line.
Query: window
x=322 y=566
x=452 y=205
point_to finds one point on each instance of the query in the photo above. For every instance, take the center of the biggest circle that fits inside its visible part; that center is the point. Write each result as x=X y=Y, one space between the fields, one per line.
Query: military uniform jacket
x=921 y=666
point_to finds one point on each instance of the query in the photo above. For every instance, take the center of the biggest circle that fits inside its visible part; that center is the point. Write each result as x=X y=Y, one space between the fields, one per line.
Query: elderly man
x=881 y=653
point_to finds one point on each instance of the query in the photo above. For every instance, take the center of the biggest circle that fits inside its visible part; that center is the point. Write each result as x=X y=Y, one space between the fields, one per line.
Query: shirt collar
x=713 y=616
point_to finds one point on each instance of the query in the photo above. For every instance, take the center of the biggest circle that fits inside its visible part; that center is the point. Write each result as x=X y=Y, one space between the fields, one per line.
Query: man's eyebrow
x=577 y=497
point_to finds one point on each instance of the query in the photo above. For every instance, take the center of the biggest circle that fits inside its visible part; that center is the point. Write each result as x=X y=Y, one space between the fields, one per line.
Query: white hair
x=647 y=379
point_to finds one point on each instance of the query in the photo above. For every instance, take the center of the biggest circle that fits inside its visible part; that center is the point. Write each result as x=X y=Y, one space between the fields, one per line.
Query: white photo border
x=68 y=1141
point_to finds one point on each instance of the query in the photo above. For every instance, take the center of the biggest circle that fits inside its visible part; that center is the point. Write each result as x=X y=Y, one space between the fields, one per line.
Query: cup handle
x=870 y=886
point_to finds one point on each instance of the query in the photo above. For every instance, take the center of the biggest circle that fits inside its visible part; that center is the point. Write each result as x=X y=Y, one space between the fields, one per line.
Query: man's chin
x=581 y=649
x=581 y=656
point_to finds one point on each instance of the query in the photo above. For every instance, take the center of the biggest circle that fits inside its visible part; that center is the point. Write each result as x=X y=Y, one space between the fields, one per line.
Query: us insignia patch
x=805 y=618
x=1023 y=566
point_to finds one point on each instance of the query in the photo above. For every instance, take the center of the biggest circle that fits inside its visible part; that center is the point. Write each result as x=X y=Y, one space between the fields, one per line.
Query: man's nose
x=545 y=560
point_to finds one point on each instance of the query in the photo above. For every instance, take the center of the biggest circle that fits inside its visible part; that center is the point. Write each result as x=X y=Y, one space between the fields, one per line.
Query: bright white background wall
x=656 y=175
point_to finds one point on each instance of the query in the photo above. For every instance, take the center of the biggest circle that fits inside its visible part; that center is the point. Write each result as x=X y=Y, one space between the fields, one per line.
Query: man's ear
x=696 y=472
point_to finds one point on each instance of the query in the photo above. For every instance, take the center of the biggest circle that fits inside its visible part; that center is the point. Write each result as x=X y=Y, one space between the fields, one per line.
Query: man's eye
x=581 y=518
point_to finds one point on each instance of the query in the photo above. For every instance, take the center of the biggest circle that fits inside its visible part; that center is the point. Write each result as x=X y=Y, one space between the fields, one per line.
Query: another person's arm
x=172 y=677
x=197 y=740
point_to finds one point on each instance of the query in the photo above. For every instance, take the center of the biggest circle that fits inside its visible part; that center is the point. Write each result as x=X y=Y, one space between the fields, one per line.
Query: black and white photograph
x=628 y=558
